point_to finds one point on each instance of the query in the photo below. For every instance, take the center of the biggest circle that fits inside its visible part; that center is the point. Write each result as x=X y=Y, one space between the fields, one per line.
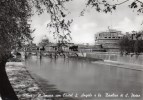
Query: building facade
x=134 y=35
x=109 y=39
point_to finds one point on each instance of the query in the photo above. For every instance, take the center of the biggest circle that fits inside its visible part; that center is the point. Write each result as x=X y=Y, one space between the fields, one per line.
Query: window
x=109 y=37
x=113 y=37
x=105 y=37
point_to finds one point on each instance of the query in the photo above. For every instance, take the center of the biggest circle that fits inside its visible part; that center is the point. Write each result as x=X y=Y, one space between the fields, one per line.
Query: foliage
x=126 y=45
x=58 y=26
x=44 y=42
x=15 y=23
x=14 y=26
x=15 y=29
x=107 y=6
x=137 y=4
x=130 y=45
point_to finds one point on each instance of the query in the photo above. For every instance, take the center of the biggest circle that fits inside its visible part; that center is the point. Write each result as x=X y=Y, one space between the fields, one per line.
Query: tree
x=44 y=42
x=107 y=5
x=15 y=28
x=128 y=44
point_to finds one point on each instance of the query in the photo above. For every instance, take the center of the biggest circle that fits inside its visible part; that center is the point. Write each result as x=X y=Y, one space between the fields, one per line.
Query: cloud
x=128 y=25
x=41 y=31
x=83 y=33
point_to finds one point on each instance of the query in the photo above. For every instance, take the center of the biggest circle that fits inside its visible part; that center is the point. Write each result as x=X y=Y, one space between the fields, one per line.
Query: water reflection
x=76 y=76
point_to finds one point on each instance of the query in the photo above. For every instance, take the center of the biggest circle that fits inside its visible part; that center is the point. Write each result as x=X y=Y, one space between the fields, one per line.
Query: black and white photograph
x=71 y=49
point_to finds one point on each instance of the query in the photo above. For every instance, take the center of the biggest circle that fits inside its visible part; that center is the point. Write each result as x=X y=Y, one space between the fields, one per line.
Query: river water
x=87 y=79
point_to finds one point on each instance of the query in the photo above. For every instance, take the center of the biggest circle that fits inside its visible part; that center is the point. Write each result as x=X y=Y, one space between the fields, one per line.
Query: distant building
x=134 y=35
x=58 y=46
x=29 y=47
x=84 y=48
x=109 y=40
x=33 y=47
x=90 y=48
x=51 y=47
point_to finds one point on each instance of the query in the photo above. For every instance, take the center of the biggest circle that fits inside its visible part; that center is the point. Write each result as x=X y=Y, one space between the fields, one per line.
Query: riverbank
x=29 y=86
x=134 y=62
x=85 y=58
x=116 y=57
x=100 y=61
x=119 y=64
x=24 y=85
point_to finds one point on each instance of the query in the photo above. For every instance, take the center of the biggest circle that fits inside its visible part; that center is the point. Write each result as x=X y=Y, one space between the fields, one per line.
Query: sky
x=85 y=27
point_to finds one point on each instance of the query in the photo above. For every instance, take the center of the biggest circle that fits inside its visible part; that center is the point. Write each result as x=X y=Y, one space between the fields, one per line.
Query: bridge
x=52 y=54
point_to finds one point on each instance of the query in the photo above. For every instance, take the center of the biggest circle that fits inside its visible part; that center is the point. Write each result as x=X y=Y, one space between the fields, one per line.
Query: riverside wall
x=116 y=57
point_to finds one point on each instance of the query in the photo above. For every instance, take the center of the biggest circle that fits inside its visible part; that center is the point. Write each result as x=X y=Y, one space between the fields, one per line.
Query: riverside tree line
x=132 y=43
